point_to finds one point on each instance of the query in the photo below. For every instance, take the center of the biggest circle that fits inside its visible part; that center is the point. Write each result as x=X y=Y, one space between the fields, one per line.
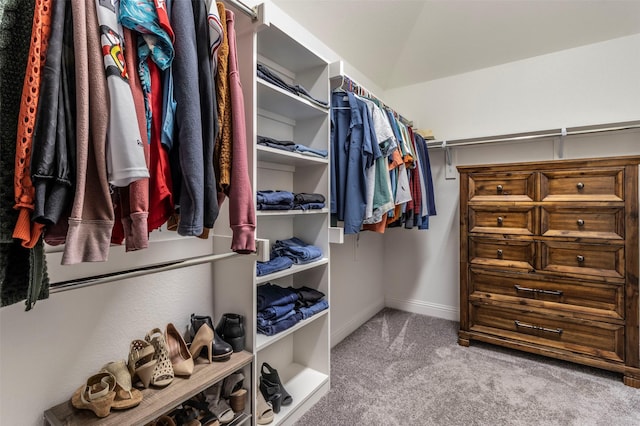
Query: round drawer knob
x=580 y=185
x=500 y=253
x=500 y=220
x=580 y=258
x=499 y=188
x=580 y=222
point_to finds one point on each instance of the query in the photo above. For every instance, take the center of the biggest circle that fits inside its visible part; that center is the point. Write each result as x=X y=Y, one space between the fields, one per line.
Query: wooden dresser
x=549 y=260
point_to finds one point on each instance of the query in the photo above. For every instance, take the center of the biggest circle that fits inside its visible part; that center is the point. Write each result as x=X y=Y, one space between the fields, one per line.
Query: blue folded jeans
x=275 y=312
x=274 y=265
x=271 y=294
x=302 y=149
x=289 y=322
x=313 y=309
x=296 y=249
x=261 y=322
x=274 y=197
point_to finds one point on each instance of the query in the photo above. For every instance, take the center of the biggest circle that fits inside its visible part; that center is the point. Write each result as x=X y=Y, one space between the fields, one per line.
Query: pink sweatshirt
x=242 y=216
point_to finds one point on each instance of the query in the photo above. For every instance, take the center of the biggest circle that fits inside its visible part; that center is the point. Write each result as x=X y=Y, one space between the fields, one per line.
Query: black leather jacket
x=53 y=152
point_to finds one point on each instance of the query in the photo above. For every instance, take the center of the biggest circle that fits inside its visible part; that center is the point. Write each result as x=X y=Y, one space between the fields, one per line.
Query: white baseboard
x=362 y=316
x=425 y=308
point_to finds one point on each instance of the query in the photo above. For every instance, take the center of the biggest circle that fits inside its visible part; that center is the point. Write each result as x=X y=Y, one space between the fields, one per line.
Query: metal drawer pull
x=499 y=188
x=580 y=258
x=537 y=327
x=538 y=290
x=580 y=185
x=580 y=222
x=500 y=220
x=500 y=253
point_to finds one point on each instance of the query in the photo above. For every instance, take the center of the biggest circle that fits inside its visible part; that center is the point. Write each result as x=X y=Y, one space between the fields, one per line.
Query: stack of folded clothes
x=274 y=200
x=285 y=253
x=285 y=200
x=281 y=308
x=292 y=147
x=307 y=201
x=297 y=250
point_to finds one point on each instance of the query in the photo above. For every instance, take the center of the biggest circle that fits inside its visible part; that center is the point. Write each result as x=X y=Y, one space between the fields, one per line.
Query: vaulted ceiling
x=402 y=42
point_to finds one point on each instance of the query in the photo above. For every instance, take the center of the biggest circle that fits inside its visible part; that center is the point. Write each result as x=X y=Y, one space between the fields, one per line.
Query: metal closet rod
x=517 y=137
x=244 y=8
x=132 y=273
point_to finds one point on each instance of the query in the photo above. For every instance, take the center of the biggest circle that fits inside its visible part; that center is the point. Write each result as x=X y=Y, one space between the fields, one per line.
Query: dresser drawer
x=504 y=186
x=592 y=260
x=606 y=184
x=502 y=253
x=594 y=338
x=606 y=300
x=582 y=222
x=518 y=220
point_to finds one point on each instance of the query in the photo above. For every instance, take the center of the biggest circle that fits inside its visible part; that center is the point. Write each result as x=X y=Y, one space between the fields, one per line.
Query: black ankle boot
x=221 y=350
x=231 y=328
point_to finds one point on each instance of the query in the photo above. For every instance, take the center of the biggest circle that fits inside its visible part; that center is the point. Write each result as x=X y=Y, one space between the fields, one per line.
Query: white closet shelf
x=279 y=101
x=280 y=156
x=275 y=44
x=263 y=341
x=293 y=270
x=301 y=383
x=285 y=213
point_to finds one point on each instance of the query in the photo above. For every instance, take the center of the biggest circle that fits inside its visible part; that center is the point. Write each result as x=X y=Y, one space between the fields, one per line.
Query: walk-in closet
x=279 y=212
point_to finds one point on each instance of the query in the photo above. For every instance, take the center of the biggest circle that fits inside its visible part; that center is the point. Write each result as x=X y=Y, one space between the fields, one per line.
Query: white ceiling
x=401 y=42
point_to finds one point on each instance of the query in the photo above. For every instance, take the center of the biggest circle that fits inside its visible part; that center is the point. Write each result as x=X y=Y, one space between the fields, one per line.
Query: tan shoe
x=96 y=395
x=179 y=354
x=126 y=395
x=163 y=372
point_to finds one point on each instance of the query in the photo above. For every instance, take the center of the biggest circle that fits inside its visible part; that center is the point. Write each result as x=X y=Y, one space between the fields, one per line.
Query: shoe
x=141 y=361
x=163 y=371
x=232 y=390
x=126 y=397
x=231 y=328
x=221 y=350
x=96 y=395
x=163 y=421
x=271 y=393
x=264 y=411
x=271 y=375
x=217 y=404
x=179 y=354
x=203 y=414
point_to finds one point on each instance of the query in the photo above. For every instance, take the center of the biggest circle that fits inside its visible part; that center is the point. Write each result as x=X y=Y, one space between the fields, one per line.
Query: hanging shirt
x=125 y=151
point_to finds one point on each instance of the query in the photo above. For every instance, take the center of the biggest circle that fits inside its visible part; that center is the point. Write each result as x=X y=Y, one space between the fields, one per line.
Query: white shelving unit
x=301 y=353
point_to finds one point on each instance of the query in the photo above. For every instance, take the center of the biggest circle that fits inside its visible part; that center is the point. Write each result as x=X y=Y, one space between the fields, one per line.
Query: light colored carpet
x=404 y=369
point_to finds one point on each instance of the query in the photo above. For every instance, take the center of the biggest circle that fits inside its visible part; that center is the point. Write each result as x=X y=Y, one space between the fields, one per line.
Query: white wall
x=594 y=84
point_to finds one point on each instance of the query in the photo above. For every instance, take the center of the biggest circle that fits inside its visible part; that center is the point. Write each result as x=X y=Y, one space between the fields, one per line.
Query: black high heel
x=221 y=350
x=271 y=393
x=271 y=375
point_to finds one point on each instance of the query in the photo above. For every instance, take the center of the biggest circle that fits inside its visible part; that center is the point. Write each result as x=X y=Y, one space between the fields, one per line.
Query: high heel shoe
x=163 y=372
x=141 y=361
x=96 y=395
x=179 y=354
x=221 y=350
x=271 y=393
x=271 y=375
x=202 y=340
x=231 y=328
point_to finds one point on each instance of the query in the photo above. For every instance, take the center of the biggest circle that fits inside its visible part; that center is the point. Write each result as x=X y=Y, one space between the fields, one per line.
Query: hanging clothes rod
x=132 y=273
x=244 y=8
x=518 y=137
x=349 y=84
